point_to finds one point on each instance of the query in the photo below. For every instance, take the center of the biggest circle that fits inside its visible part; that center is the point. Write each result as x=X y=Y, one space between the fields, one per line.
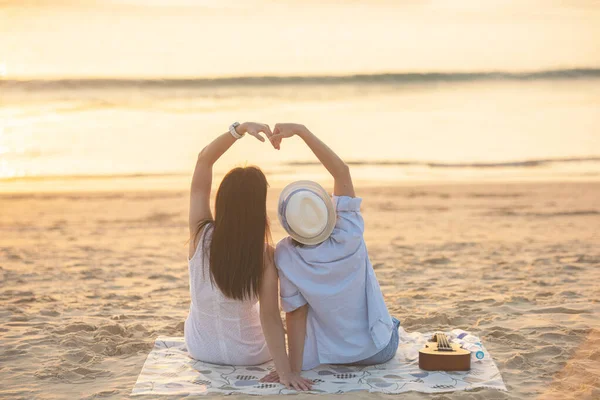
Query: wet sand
x=88 y=280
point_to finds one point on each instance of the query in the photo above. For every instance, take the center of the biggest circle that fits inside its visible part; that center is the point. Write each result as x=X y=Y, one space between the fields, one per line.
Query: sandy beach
x=471 y=129
x=89 y=280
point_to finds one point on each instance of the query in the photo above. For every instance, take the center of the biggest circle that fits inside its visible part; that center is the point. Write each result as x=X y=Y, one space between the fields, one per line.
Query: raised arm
x=202 y=179
x=335 y=165
x=270 y=320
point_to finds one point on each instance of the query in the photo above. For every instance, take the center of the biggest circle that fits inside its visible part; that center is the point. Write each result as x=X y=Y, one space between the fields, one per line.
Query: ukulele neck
x=442 y=343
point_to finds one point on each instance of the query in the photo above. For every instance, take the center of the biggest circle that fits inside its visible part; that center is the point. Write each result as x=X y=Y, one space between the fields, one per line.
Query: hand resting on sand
x=292 y=381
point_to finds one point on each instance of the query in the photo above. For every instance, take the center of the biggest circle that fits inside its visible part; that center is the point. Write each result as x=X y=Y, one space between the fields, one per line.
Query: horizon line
x=526 y=163
x=591 y=71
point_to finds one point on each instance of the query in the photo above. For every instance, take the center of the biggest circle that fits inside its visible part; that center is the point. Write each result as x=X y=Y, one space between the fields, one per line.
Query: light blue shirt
x=347 y=318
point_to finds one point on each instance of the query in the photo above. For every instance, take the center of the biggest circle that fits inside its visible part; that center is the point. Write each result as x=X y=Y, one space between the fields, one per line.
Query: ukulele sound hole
x=444 y=349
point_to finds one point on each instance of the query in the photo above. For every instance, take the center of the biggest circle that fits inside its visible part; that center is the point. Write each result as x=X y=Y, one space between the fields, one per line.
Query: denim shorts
x=388 y=352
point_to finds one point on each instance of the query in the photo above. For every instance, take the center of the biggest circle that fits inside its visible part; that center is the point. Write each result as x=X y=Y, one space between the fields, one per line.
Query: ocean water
x=113 y=134
x=124 y=94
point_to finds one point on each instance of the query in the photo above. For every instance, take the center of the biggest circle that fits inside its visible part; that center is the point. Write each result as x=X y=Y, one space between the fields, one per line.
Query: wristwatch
x=234 y=132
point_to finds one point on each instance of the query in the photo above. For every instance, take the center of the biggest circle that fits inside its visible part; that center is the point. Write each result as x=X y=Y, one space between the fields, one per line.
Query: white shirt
x=347 y=318
x=218 y=329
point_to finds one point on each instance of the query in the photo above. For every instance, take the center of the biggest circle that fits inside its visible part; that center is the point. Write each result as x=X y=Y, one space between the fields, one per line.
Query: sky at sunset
x=161 y=38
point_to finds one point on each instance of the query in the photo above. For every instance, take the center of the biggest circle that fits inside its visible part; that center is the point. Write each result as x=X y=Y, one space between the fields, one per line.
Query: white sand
x=89 y=280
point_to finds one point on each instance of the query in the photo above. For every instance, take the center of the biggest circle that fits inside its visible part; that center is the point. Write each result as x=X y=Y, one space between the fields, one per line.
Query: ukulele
x=441 y=355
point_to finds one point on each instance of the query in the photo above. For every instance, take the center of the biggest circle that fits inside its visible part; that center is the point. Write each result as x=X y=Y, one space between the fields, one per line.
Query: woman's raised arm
x=202 y=179
x=332 y=162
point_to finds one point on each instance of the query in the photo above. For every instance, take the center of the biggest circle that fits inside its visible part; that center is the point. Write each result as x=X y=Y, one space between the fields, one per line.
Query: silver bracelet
x=233 y=131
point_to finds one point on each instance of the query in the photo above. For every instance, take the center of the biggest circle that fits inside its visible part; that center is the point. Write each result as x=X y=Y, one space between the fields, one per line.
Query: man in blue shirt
x=336 y=313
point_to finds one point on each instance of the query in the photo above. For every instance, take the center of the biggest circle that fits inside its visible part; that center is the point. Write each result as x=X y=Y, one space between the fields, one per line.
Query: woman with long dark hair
x=231 y=266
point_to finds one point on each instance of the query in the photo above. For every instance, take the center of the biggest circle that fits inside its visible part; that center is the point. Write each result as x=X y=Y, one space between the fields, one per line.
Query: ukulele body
x=433 y=359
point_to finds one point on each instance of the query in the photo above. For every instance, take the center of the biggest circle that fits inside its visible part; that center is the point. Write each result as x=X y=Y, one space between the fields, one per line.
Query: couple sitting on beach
x=335 y=311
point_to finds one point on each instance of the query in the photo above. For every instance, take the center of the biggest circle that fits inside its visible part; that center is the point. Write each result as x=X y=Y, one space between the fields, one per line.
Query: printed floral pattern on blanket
x=169 y=370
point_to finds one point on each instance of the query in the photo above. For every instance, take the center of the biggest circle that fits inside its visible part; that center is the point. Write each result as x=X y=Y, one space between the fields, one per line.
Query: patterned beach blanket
x=168 y=370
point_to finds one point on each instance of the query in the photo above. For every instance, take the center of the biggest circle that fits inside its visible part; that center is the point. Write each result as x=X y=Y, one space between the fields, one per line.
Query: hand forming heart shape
x=279 y=132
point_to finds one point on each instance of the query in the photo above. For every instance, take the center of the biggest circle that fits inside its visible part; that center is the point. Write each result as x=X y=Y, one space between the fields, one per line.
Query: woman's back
x=218 y=329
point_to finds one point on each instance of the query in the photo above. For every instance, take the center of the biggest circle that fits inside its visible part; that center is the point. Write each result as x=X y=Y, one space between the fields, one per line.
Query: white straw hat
x=306 y=212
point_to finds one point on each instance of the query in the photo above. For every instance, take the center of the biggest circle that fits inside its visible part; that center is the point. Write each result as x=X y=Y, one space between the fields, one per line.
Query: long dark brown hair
x=240 y=233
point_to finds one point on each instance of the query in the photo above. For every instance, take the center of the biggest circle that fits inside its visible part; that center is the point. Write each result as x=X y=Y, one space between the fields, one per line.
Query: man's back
x=347 y=319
